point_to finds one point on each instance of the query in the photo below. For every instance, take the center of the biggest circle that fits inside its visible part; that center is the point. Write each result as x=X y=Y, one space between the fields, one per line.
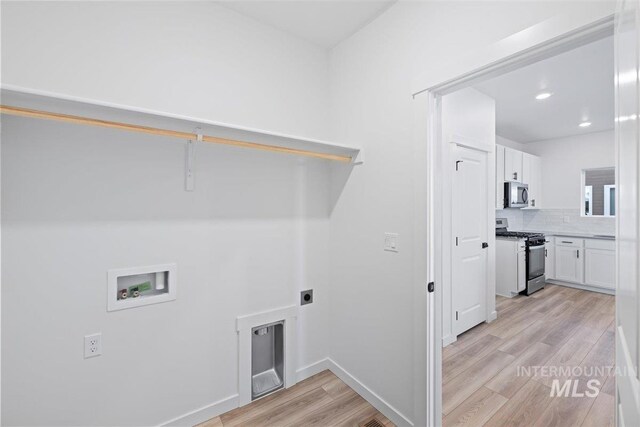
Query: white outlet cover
x=391 y=242
x=92 y=345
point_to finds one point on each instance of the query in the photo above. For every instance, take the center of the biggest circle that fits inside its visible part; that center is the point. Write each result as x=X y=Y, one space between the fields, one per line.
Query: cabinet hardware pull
x=578 y=253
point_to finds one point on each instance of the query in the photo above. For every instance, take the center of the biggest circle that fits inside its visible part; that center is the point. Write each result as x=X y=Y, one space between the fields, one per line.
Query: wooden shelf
x=242 y=137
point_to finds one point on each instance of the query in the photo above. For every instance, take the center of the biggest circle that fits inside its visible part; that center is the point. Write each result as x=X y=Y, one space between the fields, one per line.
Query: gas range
x=534 y=252
x=532 y=238
x=519 y=234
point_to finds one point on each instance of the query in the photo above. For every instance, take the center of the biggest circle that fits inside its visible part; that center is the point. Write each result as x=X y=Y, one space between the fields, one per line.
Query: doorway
x=438 y=216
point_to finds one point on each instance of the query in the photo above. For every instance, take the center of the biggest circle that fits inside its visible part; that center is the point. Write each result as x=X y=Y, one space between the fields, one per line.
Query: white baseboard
x=376 y=401
x=220 y=407
x=312 y=369
x=493 y=316
x=583 y=287
x=449 y=339
x=205 y=413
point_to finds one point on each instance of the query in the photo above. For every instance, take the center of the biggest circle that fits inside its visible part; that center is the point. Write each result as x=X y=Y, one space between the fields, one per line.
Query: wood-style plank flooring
x=556 y=327
x=322 y=400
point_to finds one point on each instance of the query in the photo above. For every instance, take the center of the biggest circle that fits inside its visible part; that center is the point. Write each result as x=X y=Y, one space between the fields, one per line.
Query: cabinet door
x=526 y=169
x=499 y=177
x=600 y=267
x=569 y=264
x=522 y=271
x=535 y=182
x=550 y=260
x=512 y=165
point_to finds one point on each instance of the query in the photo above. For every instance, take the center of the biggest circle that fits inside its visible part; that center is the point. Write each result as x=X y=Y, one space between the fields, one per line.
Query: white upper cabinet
x=517 y=166
x=532 y=175
x=512 y=165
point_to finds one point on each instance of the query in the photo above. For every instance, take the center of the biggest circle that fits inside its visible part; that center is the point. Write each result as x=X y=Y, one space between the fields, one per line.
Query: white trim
x=542 y=40
x=312 y=369
x=449 y=339
x=492 y=316
x=583 y=287
x=249 y=321
x=205 y=413
x=468 y=142
x=376 y=401
x=243 y=326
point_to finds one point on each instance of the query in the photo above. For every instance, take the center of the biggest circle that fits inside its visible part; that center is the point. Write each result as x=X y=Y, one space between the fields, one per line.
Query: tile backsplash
x=566 y=220
x=514 y=217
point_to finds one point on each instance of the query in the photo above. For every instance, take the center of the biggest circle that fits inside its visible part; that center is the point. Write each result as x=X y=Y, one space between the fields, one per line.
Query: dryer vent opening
x=267 y=359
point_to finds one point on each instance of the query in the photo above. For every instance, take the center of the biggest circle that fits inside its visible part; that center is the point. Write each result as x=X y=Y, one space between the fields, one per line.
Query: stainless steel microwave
x=516 y=195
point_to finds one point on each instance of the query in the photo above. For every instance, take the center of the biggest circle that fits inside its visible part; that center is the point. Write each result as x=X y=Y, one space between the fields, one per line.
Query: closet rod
x=25 y=112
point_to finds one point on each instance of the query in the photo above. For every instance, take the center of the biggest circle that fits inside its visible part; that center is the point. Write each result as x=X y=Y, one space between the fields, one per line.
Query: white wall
x=564 y=159
x=77 y=201
x=196 y=59
x=372 y=77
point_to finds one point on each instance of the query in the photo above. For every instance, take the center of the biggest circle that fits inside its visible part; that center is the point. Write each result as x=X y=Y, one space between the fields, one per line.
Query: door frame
x=547 y=40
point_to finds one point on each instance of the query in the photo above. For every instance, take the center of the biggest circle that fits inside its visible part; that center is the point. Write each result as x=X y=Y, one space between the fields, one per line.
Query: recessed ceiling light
x=543 y=95
x=585 y=124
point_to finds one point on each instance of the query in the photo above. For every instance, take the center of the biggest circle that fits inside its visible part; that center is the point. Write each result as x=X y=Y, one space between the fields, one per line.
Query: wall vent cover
x=371 y=423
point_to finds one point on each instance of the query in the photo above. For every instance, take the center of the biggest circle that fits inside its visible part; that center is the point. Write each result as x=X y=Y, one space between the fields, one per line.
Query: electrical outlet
x=306 y=297
x=92 y=345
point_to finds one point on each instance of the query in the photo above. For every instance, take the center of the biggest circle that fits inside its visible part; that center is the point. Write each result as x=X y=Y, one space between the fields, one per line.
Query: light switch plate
x=391 y=242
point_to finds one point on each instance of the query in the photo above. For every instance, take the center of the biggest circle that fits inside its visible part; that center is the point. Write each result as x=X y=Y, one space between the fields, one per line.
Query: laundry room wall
x=78 y=201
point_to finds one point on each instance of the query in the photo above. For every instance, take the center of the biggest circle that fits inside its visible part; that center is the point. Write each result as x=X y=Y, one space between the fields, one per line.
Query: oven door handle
x=536 y=247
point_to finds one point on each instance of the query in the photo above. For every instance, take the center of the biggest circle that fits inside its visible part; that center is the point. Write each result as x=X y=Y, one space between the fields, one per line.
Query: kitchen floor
x=322 y=400
x=556 y=327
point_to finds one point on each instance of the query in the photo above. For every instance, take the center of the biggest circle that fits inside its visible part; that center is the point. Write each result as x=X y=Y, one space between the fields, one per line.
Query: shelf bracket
x=189 y=178
x=358 y=159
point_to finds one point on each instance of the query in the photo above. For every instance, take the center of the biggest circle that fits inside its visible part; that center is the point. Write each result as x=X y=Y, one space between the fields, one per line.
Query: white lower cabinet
x=588 y=262
x=550 y=259
x=511 y=277
x=600 y=264
x=569 y=263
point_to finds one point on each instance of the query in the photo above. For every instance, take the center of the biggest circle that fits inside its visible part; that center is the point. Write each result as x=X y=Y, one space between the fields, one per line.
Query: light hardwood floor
x=322 y=400
x=556 y=327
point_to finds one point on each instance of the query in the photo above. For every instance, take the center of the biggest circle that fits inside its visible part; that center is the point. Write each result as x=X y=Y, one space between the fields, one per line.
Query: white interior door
x=628 y=281
x=470 y=230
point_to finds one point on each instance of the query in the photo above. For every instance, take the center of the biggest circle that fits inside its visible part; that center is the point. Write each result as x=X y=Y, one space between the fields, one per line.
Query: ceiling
x=322 y=22
x=581 y=81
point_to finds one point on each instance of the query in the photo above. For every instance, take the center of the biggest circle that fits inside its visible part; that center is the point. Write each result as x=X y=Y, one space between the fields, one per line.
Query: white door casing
x=627 y=45
x=469 y=270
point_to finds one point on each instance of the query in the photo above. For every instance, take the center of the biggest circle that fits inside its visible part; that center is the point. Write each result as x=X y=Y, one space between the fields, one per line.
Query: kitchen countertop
x=575 y=234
